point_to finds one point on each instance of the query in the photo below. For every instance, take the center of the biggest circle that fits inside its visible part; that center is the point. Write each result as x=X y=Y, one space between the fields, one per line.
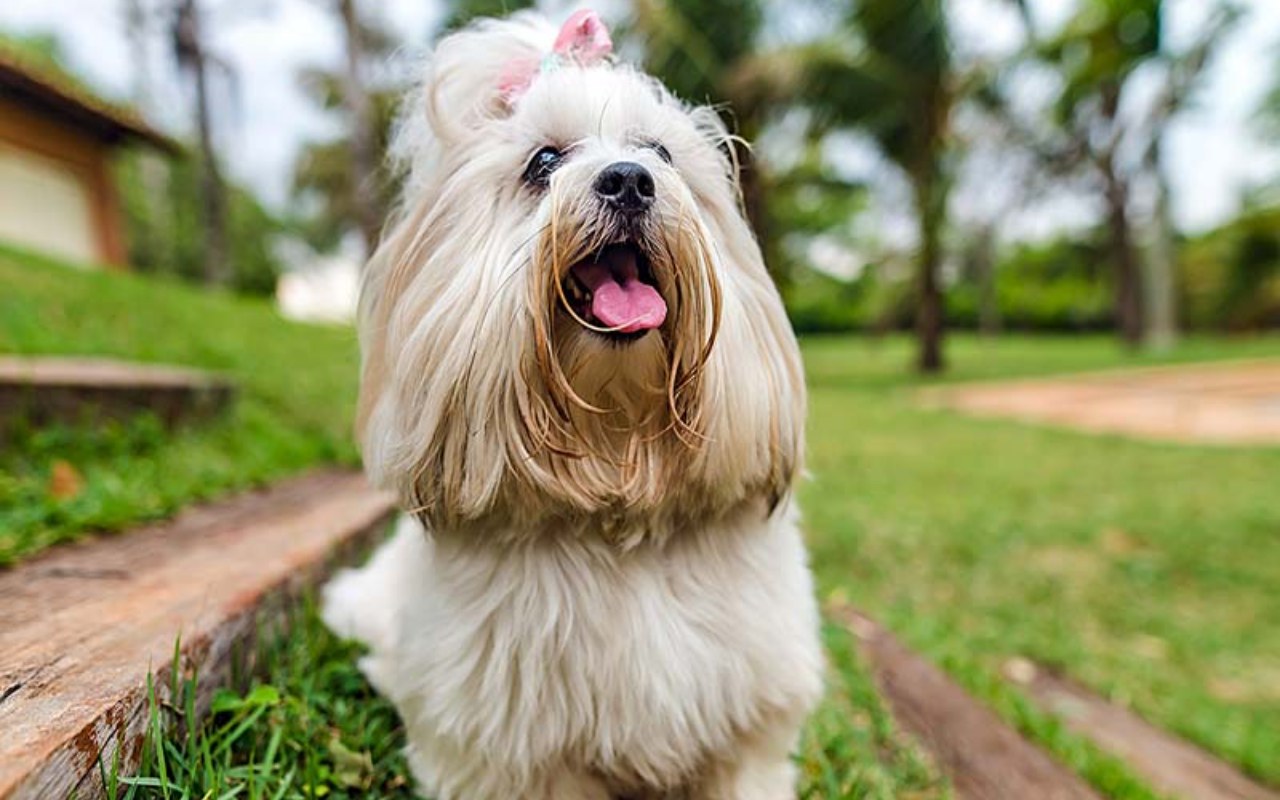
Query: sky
x=1212 y=153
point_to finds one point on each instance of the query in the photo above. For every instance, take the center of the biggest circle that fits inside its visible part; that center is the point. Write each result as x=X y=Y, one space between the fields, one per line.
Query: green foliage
x=41 y=48
x=297 y=397
x=460 y=12
x=311 y=728
x=1231 y=276
x=1099 y=48
x=819 y=303
x=324 y=175
x=694 y=47
x=165 y=229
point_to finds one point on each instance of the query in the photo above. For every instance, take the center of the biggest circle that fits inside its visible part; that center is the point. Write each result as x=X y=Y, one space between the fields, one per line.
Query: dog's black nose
x=626 y=186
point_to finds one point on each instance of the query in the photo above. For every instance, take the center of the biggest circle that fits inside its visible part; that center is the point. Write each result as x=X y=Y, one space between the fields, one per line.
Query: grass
x=313 y=728
x=1145 y=570
x=297 y=388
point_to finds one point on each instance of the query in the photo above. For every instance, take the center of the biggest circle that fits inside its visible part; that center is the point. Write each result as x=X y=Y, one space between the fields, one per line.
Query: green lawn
x=1145 y=570
x=1148 y=571
x=296 y=402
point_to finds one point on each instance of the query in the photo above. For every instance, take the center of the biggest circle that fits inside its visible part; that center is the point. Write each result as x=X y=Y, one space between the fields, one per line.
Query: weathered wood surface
x=984 y=757
x=44 y=391
x=1228 y=403
x=82 y=627
x=1172 y=765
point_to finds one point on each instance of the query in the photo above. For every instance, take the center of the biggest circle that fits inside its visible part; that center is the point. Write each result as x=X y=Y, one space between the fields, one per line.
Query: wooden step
x=71 y=391
x=83 y=627
x=1172 y=765
x=984 y=758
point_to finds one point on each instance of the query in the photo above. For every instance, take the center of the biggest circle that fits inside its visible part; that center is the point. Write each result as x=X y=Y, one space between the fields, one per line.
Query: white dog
x=580 y=379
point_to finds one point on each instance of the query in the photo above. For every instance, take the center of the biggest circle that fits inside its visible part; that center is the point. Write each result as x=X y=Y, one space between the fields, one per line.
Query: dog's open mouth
x=615 y=291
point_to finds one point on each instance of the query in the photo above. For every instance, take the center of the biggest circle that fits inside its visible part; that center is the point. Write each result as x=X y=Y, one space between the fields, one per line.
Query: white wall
x=46 y=207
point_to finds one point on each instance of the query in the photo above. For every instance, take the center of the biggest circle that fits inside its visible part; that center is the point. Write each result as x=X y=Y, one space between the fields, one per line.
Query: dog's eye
x=544 y=162
x=660 y=149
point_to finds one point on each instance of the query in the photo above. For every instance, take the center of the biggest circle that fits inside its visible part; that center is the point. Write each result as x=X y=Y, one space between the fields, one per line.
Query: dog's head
x=569 y=320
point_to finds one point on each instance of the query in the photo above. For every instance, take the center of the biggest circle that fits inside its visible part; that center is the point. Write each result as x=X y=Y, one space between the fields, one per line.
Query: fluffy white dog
x=580 y=379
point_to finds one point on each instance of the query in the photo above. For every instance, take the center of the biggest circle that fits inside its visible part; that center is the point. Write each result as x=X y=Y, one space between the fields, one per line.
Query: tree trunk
x=364 y=158
x=1162 y=293
x=147 y=248
x=751 y=181
x=1123 y=257
x=984 y=268
x=190 y=44
x=217 y=270
x=929 y=201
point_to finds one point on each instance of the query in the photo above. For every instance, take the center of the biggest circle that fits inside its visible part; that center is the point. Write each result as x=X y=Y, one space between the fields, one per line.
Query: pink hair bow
x=583 y=40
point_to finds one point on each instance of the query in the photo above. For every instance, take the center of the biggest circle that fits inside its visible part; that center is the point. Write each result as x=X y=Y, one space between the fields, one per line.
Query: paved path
x=1226 y=403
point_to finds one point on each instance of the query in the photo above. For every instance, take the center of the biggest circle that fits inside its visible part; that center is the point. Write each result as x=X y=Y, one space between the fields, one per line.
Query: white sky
x=1212 y=153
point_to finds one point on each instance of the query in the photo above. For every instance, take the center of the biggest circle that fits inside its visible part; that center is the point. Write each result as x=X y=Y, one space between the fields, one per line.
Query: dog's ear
x=469 y=76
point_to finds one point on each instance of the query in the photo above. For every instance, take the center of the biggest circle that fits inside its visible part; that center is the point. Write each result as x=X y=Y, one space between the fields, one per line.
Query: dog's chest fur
x=639 y=666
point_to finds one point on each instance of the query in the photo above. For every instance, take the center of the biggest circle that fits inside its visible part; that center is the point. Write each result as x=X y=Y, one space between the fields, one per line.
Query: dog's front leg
x=760 y=769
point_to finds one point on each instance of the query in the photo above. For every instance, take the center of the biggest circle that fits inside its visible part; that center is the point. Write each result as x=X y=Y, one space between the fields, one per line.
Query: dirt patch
x=1232 y=403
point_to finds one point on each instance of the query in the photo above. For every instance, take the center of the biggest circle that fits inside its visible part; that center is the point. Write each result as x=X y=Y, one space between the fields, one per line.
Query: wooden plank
x=45 y=391
x=84 y=626
x=984 y=757
x=1172 y=765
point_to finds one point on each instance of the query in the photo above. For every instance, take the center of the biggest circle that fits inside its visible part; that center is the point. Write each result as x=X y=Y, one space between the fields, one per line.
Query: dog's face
x=570 y=320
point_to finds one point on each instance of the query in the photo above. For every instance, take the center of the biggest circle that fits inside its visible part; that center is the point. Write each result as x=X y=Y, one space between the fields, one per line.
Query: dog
x=579 y=378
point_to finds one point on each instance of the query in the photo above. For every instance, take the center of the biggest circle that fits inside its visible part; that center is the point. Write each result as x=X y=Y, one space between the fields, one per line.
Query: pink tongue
x=619 y=299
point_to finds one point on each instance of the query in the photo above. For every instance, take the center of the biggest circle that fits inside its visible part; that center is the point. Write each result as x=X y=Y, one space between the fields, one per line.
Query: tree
x=1096 y=57
x=364 y=152
x=343 y=176
x=705 y=51
x=889 y=74
x=193 y=56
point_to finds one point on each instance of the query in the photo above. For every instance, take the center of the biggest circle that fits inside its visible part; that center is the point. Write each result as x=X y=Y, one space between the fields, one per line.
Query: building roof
x=55 y=94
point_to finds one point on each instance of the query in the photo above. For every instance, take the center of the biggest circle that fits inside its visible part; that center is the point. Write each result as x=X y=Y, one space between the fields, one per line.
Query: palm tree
x=889 y=74
x=1096 y=56
x=701 y=49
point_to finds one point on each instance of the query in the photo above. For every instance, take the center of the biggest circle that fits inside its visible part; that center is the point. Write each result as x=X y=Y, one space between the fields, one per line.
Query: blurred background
x=1047 y=165
x=1032 y=250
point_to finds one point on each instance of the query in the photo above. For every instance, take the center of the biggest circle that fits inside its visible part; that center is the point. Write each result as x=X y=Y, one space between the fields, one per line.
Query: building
x=56 y=140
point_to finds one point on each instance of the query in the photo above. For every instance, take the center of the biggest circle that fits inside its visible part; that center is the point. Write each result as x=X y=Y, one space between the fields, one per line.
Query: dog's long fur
x=600 y=590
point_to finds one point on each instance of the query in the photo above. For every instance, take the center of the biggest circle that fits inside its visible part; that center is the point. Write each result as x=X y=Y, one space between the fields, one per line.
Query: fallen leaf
x=350 y=768
x=64 y=481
